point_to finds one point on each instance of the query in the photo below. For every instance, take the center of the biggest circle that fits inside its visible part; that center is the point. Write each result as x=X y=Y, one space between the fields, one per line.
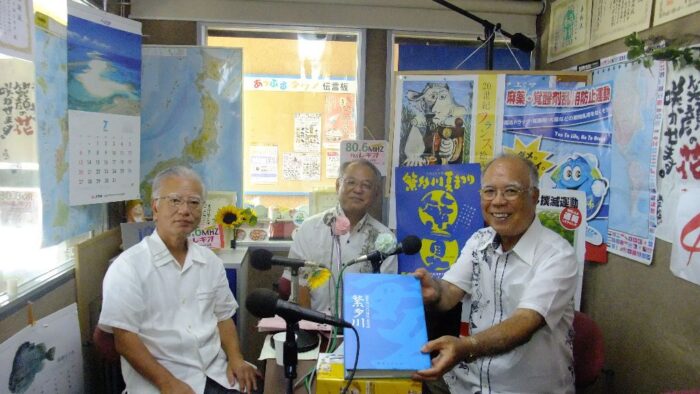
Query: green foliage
x=672 y=51
x=550 y=219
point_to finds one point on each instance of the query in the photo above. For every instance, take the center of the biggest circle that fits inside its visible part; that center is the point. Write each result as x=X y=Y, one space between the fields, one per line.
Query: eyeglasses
x=352 y=183
x=175 y=201
x=510 y=193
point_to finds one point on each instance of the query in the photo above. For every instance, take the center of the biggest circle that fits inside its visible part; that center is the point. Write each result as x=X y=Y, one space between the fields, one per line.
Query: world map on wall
x=191 y=114
x=60 y=220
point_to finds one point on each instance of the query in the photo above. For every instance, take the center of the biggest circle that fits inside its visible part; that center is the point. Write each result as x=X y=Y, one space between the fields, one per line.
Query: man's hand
x=430 y=289
x=451 y=351
x=176 y=386
x=244 y=373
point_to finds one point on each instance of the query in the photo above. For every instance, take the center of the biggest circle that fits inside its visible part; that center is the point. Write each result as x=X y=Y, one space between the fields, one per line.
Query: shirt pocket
x=514 y=294
x=205 y=300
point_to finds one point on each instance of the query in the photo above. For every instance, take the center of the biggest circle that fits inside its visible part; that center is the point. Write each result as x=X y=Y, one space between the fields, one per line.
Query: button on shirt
x=315 y=242
x=174 y=311
x=539 y=273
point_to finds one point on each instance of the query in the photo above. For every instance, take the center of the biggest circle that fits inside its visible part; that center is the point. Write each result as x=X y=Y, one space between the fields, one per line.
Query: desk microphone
x=266 y=303
x=409 y=245
x=263 y=259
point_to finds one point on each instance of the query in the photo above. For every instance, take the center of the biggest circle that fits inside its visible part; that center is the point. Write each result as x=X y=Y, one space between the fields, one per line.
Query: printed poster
x=679 y=153
x=569 y=22
x=16 y=29
x=440 y=205
x=263 y=164
x=488 y=125
x=301 y=166
x=338 y=119
x=374 y=151
x=566 y=131
x=668 y=10
x=637 y=113
x=685 y=259
x=104 y=97
x=561 y=211
x=18 y=135
x=332 y=164
x=433 y=119
x=45 y=357
x=614 y=19
x=307 y=132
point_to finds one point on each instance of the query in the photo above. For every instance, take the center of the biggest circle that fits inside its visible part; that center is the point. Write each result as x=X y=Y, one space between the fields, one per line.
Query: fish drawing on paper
x=29 y=360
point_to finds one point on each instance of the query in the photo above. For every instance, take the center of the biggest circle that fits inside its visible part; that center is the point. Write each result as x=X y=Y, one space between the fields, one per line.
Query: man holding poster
x=518 y=278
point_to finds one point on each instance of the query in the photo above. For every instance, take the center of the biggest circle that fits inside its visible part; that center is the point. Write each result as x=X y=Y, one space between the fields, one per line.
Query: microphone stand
x=290 y=354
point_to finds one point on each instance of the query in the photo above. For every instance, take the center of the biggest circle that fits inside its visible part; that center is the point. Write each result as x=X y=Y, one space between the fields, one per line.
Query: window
x=443 y=52
x=301 y=97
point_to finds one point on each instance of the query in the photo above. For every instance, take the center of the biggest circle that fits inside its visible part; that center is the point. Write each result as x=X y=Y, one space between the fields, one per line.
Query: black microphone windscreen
x=261 y=259
x=411 y=244
x=262 y=302
x=522 y=42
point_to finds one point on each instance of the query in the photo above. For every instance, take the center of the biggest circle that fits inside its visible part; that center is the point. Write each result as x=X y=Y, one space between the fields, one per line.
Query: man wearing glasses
x=339 y=235
x=517 y=281
x=168 y=303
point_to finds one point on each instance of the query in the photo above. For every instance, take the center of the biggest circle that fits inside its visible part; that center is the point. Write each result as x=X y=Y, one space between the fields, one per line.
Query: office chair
x=589 y=353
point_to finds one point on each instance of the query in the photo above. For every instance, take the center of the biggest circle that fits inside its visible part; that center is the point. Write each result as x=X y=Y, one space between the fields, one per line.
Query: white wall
x=412 y=15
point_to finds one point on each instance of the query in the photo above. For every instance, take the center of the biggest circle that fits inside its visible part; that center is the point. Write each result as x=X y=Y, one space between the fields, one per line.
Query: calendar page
x=104 y=112
x=104 y=157
x=45 y=357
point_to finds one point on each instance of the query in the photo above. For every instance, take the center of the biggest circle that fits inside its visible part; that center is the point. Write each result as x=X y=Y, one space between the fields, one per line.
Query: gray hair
x=532 y=170
x=175 y=172
x=364 y=162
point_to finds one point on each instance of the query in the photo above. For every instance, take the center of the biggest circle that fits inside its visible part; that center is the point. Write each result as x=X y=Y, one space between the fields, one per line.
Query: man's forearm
x=130 y=346
x=505 y=336
x=229 y=340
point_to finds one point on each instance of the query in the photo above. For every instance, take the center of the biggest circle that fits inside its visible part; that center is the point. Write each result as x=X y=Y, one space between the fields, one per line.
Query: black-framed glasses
x=175 y=201
x=509 y=193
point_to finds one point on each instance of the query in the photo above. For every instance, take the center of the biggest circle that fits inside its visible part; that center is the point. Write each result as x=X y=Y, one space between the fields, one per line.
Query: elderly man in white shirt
x=517 y=280
x=339 y=235
x=168 y=303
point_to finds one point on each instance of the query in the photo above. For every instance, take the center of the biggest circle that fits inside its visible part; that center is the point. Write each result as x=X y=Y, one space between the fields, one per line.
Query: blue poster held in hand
x=440 y=205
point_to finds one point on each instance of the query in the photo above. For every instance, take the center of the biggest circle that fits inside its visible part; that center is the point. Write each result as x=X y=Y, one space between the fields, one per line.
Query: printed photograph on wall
x=433 y=118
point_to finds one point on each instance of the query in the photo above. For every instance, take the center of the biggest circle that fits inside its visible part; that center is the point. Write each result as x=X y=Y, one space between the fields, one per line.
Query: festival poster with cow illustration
x=565 y=128
x=440 y=205
x=433 y=119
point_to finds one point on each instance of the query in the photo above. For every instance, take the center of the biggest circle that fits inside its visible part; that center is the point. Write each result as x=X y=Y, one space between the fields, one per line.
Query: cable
x=511 y=51
x=475 y=51
x=354 y=366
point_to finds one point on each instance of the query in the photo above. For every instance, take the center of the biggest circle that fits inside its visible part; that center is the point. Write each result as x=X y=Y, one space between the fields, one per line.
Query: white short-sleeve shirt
x=174 y=311
x=539 y=273
x=314 y=241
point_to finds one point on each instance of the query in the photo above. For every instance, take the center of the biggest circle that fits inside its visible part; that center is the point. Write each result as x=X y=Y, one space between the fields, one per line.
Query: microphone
x=266 y=303
x=522 y=42
x=263 y=259
x=409 y=245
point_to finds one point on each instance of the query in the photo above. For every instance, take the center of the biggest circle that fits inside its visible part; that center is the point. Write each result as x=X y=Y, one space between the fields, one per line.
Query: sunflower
x=229 y=216
x=318 y=278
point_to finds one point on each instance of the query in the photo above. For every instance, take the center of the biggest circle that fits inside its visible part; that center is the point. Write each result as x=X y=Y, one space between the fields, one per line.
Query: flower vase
x=230 y=238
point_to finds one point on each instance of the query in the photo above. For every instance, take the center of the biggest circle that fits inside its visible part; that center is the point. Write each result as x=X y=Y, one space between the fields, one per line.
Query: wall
x=648 y=316
x=421 y=15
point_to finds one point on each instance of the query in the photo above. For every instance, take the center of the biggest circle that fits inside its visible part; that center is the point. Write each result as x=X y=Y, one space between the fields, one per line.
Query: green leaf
x=253 y=220
x=648 y=62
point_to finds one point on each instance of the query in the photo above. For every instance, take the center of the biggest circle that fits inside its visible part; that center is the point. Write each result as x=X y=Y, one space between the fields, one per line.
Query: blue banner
x=440 y=205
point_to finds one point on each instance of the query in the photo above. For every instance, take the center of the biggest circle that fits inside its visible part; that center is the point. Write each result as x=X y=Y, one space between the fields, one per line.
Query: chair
x=589 y=354
x=104 y=343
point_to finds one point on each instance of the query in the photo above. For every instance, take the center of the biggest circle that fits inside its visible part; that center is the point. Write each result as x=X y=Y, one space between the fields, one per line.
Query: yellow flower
x=229 y=216
x=318 y=278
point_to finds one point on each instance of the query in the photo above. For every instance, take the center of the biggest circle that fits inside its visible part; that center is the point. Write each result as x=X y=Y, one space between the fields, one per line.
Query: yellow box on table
x=330 y=374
